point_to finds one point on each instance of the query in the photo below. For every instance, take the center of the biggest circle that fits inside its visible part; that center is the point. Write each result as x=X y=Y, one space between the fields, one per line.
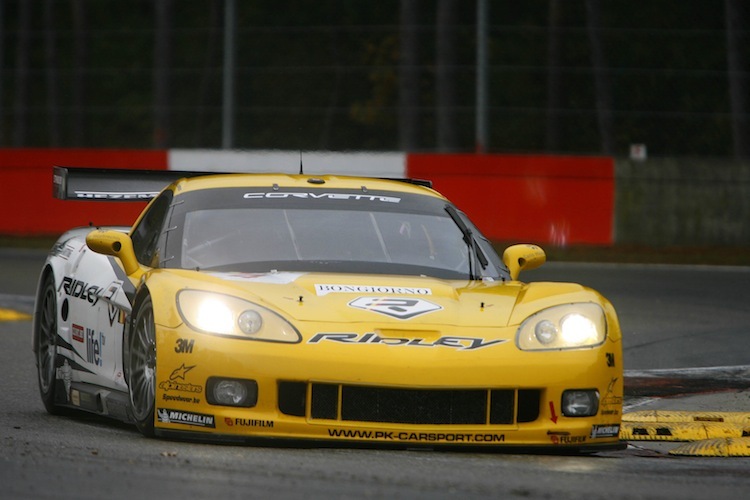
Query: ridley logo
x=399 y=308
x=458 y=343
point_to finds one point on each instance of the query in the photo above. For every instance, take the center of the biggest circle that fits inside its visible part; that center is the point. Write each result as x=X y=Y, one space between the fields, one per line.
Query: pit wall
x=549 y=200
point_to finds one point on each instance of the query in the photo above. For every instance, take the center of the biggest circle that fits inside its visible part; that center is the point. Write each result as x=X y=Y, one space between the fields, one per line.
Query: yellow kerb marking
x=10 y=315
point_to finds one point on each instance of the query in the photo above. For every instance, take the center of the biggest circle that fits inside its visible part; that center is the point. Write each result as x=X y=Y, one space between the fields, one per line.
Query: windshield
x=337 y=235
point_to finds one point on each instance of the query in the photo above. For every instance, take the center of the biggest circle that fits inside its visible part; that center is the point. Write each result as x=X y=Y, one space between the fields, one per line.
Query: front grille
x=411 y=406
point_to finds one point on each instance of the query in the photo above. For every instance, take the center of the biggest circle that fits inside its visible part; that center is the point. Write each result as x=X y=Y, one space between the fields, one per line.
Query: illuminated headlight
x=230 y=316
x=231 y=392
x=580 y=403
x=570 y=326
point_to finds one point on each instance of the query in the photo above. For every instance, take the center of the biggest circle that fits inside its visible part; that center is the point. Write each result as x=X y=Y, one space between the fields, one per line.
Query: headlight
x=569 y=326
x=221 y=314
x=580 y=403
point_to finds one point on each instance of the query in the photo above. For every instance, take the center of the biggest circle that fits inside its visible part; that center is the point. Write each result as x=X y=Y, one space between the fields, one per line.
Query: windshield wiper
x=475 y=253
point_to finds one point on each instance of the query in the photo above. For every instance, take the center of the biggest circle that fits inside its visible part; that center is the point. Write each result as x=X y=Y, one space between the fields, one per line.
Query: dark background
x=577 y=76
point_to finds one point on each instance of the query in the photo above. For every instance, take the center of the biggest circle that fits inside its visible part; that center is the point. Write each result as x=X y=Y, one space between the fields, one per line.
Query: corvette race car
x=321 y=309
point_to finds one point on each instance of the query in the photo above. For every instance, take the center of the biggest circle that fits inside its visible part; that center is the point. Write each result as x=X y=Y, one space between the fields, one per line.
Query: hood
x=392 y=300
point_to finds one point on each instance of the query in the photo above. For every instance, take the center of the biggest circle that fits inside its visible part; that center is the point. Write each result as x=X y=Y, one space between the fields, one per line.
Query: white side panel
x=87 y=322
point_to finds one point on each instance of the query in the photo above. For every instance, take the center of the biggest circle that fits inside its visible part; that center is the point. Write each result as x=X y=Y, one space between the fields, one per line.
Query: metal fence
x=572 y=77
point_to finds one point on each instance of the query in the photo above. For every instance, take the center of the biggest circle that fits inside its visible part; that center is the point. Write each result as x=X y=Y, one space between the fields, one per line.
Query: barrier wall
x=26 y=189
x=539 y=199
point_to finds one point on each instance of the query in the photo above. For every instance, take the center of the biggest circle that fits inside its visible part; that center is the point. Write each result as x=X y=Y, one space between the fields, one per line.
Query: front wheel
x=46 y=344
x=141 y=371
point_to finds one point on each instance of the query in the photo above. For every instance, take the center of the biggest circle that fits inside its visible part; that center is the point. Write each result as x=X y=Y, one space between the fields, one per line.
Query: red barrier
x=26 y=189
x=540 y=199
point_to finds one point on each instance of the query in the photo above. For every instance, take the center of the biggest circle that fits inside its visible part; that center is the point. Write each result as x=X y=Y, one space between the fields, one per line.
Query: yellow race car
x=324 y=309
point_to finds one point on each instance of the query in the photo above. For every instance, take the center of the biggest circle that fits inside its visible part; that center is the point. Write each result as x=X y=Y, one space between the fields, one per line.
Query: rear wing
x=108 y=184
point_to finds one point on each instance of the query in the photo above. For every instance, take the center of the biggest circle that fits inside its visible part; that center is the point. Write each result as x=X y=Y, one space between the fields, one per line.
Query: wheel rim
x=47 y=348
x=143 y=365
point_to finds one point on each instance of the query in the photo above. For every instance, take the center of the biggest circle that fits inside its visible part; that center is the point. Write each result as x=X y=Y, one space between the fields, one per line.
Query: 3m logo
x=399 y=308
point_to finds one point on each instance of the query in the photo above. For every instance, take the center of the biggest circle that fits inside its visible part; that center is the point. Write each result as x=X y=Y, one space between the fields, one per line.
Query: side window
x=496 y=266
x=146 y=235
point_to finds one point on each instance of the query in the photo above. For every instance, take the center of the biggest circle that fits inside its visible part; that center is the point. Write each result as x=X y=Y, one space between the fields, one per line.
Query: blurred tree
x=2 y=70
x=737 y=75
x=21 y=95
x=52 y=80
x=445 y=67
x=408 y=75
x=208 y=69
x=162 y=65
x=79 y=72
x=554 y=76
x=601 y=77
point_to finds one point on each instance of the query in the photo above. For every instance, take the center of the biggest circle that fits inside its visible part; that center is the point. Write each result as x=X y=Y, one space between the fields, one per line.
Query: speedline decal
x=116 y=195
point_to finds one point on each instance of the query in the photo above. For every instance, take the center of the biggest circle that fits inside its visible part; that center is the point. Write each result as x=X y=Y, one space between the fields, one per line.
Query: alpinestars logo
x=399 y=308
x=186 y=418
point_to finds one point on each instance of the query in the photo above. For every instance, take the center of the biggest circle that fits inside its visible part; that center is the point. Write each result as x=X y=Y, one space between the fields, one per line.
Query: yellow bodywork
x=468 y=344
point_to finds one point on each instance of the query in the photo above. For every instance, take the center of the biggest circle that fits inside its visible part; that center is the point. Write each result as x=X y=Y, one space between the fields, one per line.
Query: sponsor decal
x=247 y=422
x=604 y=431
x=114 y=312
x=94 y=345
x=174 y=384
x=80 y=289
x=556 y=439
x=77 y=331
x=184 y=346
x=62 y=250
x=180 y=399
x=75 y=398
x=399 y=308
x=65 y=372
x=610 y=359
x=322 y=196
x=322 y=290
x=180 y=372
x=167 y=416
x=115 y=195
x=417 y=437
x=610 y=399
x=459 y=343
x=169 y=385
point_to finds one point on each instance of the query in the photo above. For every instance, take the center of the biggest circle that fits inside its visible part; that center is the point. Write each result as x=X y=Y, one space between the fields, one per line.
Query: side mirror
x=116 y=244
x=523 y=257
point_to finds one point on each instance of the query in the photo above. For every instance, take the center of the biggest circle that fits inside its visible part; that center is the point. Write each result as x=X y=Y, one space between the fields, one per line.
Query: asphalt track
x=685 y=337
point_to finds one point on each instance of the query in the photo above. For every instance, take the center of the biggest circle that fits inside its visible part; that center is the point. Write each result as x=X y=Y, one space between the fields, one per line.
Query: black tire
x=141 y=366
x=45 y=337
